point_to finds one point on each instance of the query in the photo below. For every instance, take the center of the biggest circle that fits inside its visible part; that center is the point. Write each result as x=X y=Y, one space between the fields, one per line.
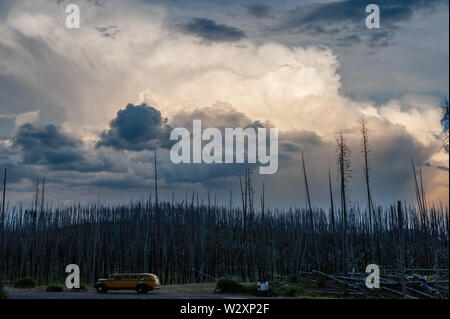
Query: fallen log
x=398 y=292
x=331 y=277
x=419 y=292
x=424 y=284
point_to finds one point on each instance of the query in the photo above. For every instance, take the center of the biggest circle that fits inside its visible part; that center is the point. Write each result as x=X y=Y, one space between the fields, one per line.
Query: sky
x=86 y=108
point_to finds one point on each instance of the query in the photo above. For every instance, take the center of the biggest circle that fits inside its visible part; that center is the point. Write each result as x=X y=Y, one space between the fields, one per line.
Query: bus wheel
x=101 y=289
x=141 y=290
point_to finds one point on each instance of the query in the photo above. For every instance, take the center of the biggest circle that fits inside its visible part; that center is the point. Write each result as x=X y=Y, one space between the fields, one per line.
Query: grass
x=83 y=287
x=294 y=287
x=25 y=283
x=229 y=285
x=3 y=293
x=30 y=284
x=191 y=289
x=55 y=288
x=276 y=289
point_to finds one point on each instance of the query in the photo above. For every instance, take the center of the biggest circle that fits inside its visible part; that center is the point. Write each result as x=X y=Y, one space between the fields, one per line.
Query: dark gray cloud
x=11 y=160
x=110 y=31
x=208 y=30
x=194 y=173
x=391 y=152
x=345 y=20
x=348 y=40
x=46 y=145
x=258 y=10
x=49 y=146
x=293 y=142
x=6 y=127
x=98 y=3
x=5 y=5
x=137 y=128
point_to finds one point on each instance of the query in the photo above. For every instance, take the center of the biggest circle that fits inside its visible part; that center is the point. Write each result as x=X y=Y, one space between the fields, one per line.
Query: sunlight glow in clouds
x=84 y=79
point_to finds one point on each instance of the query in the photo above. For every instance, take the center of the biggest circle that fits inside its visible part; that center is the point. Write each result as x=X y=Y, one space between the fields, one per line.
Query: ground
x=189 y=291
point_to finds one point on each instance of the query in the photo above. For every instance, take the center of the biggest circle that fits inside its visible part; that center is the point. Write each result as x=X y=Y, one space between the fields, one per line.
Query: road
x=92 y=294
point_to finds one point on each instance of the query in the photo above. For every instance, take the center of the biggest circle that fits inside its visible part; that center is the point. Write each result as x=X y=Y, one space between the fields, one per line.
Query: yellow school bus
x=142 y=283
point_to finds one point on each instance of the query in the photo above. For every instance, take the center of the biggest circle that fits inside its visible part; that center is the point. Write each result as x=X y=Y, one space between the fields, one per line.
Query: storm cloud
x=210 y=31
x=258 y=10
x=46 y=145
x=137 y=128
x=345 y=20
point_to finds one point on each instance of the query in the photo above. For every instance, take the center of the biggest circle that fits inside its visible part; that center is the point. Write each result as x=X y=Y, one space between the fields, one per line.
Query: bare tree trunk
x=344 y=172
x=2 y=222
x=333 y=224
x=156 y=252
x=365 y=144
x=312 y=237
x=401 y=247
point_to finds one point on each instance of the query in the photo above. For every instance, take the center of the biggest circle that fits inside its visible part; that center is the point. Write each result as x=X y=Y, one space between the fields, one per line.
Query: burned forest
x=198 y=241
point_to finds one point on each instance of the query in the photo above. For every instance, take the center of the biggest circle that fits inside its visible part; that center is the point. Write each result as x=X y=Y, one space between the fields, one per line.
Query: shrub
x=54 y=288
x=229 y=285
x=293 y=279
x=251 y=289
x=84 y=286
x=25 y=283
x=291 y=292
x=321 y=282
x=3 y=294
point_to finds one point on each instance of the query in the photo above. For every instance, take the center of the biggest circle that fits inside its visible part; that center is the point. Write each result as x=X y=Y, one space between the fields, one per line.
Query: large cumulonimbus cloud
x=82 y=81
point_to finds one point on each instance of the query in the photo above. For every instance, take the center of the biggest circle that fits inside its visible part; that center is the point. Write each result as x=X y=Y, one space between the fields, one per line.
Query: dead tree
x=244 y=196
x=445 y=123
x=365 y=150
x=401 y=247
x=312 y=239
x=2 y=221
x=333 y=223
x=343 y=161
x=156 y=227
x=420 y=192
x=42 y=195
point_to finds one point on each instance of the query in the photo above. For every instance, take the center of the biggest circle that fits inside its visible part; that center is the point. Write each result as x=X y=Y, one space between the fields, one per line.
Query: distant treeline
x=194 y=242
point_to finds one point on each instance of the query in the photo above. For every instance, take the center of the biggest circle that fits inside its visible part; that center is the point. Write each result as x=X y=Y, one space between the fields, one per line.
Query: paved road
x=92 y=294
